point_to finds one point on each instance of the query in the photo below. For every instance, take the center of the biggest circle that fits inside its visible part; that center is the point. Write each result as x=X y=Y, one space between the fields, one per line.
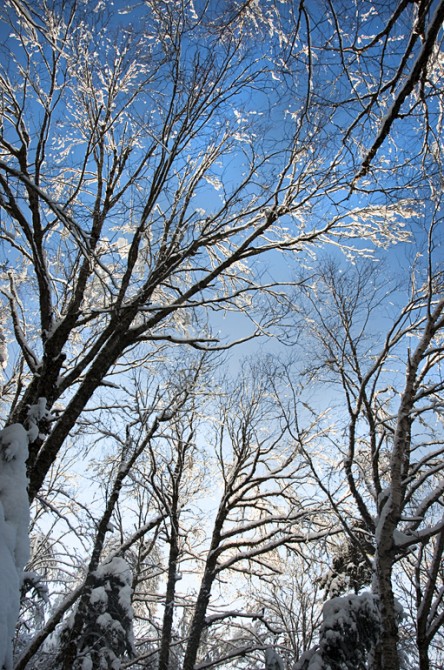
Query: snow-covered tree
x=158 y=161
x=106 y=635
x=14 y=540
x=141 y=172
x=390 y=483
x=351 y=562
x=348 y=636
x=122 y=486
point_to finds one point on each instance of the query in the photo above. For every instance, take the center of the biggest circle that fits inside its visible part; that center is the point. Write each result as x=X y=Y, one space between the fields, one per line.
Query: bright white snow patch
x=118 y=567
x=99 y=595
x=36 y=413
x=3 y=350
x=14 y=539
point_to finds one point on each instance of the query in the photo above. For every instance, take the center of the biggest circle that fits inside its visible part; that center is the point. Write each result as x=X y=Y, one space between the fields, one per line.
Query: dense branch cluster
x=221 y=337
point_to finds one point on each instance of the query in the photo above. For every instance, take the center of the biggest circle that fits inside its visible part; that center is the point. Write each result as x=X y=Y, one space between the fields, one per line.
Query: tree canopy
x=184 y=180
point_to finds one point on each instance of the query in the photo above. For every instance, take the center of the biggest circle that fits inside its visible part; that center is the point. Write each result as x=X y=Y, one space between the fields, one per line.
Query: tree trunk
x=167 y=627
x=386 y=657
x=423 y=649
x=200 y=610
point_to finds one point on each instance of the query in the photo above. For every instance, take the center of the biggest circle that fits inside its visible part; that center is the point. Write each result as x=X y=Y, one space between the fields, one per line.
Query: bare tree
x=176 y=479
x=115 y=452
x=428 y=582
x=141 y=172
x=392 y=457
x=151 y=156
x=290 y=604
x=262 y=507
x=251 y=457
